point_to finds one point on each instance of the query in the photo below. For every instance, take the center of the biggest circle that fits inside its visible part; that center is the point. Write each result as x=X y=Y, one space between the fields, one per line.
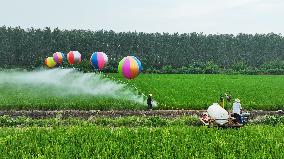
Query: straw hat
x=237 y=100
x=203 y=114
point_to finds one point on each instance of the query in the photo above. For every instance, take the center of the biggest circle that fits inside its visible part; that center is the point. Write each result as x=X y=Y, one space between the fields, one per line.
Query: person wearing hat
x=237 y=110
x=149 y=101
x=221 y=100
x=204 y=119
x=228 y=97
x=228 y=100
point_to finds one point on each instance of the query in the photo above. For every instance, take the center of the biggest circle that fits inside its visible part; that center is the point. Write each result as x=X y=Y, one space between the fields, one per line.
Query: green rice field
x=199 y=91
x=135 y=137
x=170 y=91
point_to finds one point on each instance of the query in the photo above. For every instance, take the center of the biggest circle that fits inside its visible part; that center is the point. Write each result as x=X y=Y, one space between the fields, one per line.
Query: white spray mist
x=72 y=82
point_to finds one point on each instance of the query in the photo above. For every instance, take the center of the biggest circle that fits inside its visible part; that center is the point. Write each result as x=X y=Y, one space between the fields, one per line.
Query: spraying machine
x=217 y=116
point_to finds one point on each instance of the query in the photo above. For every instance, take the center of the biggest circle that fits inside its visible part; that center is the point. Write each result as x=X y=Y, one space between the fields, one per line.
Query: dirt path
x=117 y=113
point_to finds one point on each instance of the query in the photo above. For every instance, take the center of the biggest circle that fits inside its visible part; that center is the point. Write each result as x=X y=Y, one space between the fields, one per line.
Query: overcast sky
x=183 y=16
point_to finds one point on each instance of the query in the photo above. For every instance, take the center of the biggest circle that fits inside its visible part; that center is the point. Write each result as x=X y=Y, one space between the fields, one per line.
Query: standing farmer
x=149 y=102
x=222 y=100
x=228 y=99
x=237 y=108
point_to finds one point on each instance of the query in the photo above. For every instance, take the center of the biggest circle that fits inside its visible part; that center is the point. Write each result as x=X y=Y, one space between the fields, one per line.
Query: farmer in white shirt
x=237 y=110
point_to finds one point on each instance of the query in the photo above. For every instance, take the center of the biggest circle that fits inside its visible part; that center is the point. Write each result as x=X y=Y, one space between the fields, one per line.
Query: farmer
x=228 y=97
x=221 y=102
x=237 y=110
x=204 y=119
x=228 y=100
x=149 y=101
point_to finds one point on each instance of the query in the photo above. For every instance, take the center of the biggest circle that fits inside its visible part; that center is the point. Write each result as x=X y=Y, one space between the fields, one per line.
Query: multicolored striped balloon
x=99 y=60
x=49 y=62
x=130 y=67
x=59 y=57
x=74 y=57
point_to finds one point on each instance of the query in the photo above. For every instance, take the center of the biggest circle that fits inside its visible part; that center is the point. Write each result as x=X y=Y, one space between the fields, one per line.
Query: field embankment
x=38 y=114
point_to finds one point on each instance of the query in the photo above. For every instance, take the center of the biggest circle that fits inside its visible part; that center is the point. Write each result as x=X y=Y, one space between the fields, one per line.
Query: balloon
x=74 y=57
x=59 y=57
x=49 y=62
x=99 y=60
x=130 y=67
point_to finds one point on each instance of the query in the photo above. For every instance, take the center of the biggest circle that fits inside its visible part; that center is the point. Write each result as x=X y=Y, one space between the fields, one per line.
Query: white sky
x=183 y=16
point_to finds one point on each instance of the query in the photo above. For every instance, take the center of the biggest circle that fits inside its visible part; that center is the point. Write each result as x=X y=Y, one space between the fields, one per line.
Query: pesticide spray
x=66 y=82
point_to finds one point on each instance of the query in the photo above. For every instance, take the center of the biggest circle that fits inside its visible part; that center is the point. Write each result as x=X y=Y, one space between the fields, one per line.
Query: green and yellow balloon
x=130 y=67
x=49 y=62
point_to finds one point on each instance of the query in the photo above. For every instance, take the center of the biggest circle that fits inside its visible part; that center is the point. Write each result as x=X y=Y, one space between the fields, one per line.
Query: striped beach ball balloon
x=49 y=62
x=99 y=60
x=74 y=57
x=130 y=67
x=59 y=57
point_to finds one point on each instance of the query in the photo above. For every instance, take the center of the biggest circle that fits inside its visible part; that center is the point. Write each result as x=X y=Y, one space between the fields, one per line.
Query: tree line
x=159 y=52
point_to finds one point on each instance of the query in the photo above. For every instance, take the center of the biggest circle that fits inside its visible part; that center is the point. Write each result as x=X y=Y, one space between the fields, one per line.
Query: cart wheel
x=230 y=121
x=211 y=123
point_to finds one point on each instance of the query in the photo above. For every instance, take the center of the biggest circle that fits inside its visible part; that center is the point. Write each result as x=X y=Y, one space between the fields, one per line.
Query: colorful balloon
x=59 y=57
x=130 y=67
x=99 y=60
x=49 y=62
x=74 y=57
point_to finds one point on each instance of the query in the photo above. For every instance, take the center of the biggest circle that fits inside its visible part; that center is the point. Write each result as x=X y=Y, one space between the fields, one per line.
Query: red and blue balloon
x=74 y=57
x=99 y=60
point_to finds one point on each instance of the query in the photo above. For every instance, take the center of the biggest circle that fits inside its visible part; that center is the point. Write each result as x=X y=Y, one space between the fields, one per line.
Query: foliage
x=200 y=91
x=141 y=142
x=269 y=120
x=170 y=91
x=128 y=121
x=28 y=48
x=122 y=121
